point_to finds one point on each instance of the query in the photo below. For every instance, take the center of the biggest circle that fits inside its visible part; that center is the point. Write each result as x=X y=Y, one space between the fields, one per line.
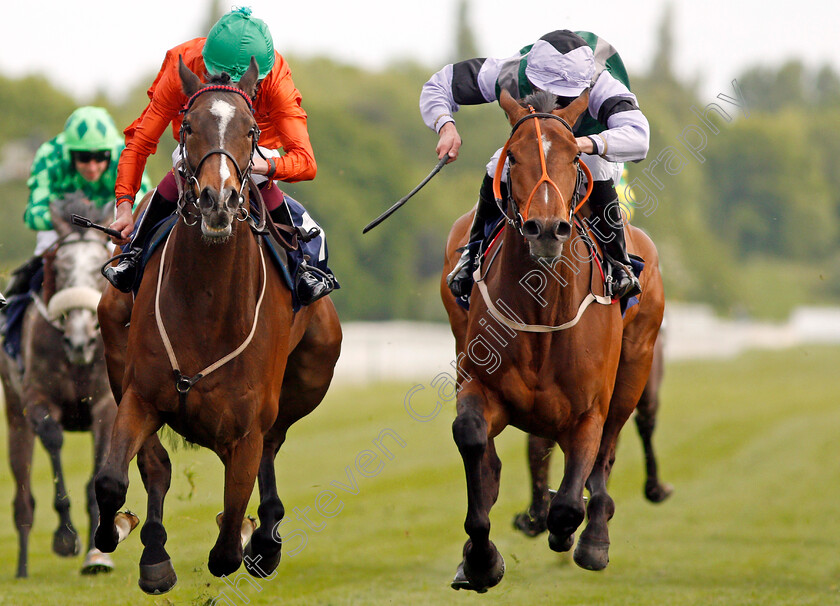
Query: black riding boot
x=124 y=274
x=608 y=224
x=20 y=282
x=460 y=280
x=310 y=282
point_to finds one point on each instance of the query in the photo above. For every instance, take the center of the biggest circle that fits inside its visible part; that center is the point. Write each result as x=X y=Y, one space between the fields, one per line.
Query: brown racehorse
x=532 y=521
x=538 y=358
x=211 y=300
x=62 y=384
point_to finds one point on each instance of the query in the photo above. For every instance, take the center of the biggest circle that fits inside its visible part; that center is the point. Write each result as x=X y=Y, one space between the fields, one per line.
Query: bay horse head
x=72 y=281
x=218 y=138
x=545 y=168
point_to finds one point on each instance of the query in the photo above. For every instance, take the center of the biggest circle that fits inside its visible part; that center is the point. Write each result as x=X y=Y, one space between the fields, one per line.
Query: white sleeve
x=436 y=102
x=627 y=137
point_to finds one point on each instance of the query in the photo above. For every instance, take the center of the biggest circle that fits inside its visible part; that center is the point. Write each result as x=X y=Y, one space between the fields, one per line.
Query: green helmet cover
x=91 y=129
x=233 y=40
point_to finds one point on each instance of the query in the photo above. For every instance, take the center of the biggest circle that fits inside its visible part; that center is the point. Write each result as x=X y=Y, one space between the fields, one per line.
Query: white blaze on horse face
x=546 y=144
x=224 y=111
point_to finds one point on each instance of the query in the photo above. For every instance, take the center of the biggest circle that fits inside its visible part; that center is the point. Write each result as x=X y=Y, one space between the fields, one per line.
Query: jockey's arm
x=627 y=137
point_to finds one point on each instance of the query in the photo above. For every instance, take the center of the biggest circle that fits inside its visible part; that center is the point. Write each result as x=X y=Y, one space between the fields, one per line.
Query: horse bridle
x=188 y=194
x=505 y=205
x=44 y=307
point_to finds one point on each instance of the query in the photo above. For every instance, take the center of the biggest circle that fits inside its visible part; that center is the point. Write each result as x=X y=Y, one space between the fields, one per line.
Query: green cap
x=233 y=40
x=91 y=129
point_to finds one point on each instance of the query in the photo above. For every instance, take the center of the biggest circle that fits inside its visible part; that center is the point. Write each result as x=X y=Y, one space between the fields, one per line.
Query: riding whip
x=85 y=222
x=404 y=199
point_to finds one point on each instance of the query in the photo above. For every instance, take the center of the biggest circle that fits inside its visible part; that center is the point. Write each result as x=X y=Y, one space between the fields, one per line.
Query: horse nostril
x=232 y=199
x=208 y=199
x=532 y=228
x=563 y=230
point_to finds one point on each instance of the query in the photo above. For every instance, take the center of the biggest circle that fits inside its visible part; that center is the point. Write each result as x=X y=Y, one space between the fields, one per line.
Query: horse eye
x=187 y=128
x=511 y=159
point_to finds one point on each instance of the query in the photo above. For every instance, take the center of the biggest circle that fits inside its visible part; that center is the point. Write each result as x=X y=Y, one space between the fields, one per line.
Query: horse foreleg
x=482 y=566
x=66 y=541
x=566 y=511
x=103 y=414
x=262 y=553
x=592 y=552
x=532 y=521
x=21 y=443
x=157 y=575
x=134 y=423
x=241 y=465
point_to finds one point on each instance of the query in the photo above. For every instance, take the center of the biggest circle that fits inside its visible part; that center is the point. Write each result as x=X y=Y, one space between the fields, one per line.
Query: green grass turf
x=749 y=444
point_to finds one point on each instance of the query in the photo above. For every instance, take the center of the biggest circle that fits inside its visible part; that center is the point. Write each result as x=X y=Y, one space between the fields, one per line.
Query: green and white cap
x=561 y=63
x=91 y=129
x=231 y=43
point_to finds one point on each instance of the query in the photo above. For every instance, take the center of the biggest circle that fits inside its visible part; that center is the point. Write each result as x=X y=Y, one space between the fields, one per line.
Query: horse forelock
x=542 y=101
x=78 y=260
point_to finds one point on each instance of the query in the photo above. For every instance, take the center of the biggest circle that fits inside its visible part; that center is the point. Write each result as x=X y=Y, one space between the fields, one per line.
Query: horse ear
x=573 y=110
x=57 y=211
x=189 y=81
x=511 y=106
x=248 y=82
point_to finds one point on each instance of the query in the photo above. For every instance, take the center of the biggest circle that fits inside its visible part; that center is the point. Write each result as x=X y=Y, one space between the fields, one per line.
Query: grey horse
x=60 y=382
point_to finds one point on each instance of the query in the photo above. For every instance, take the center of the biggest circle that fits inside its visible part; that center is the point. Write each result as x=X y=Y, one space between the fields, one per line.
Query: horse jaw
x=215 y=235
x=547 y=251
x=80 y=337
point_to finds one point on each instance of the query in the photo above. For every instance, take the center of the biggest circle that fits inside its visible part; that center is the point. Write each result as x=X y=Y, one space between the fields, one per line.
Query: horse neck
x=566 y=283
x=216 y=278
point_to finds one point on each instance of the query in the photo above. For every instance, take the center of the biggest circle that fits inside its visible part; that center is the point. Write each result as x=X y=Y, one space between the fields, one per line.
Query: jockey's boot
x=20 y=282
x=124 y=274
x=460 y=279
x=608 y=224
x=311 y=283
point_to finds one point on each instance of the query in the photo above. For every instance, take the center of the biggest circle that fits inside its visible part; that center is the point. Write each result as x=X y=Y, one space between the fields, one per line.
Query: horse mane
x=222 y=79
x=542 y=101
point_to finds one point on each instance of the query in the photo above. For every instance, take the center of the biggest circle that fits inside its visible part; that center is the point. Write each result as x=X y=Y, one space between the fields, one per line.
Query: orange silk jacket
x=277 y=110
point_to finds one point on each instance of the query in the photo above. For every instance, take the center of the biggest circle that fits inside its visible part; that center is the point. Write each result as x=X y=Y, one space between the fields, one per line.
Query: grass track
x=749 y=444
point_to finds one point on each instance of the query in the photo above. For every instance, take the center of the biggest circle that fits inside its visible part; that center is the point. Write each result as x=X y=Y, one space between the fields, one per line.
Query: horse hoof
x=487 y=576
x=559 y=545
x=592 y=555
x=66 y=542
x=97 y=562
x=159 y=578
x=461 y=582
x=656 y=493
x=259 y=566
x=529 y=526
x=125 y=522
